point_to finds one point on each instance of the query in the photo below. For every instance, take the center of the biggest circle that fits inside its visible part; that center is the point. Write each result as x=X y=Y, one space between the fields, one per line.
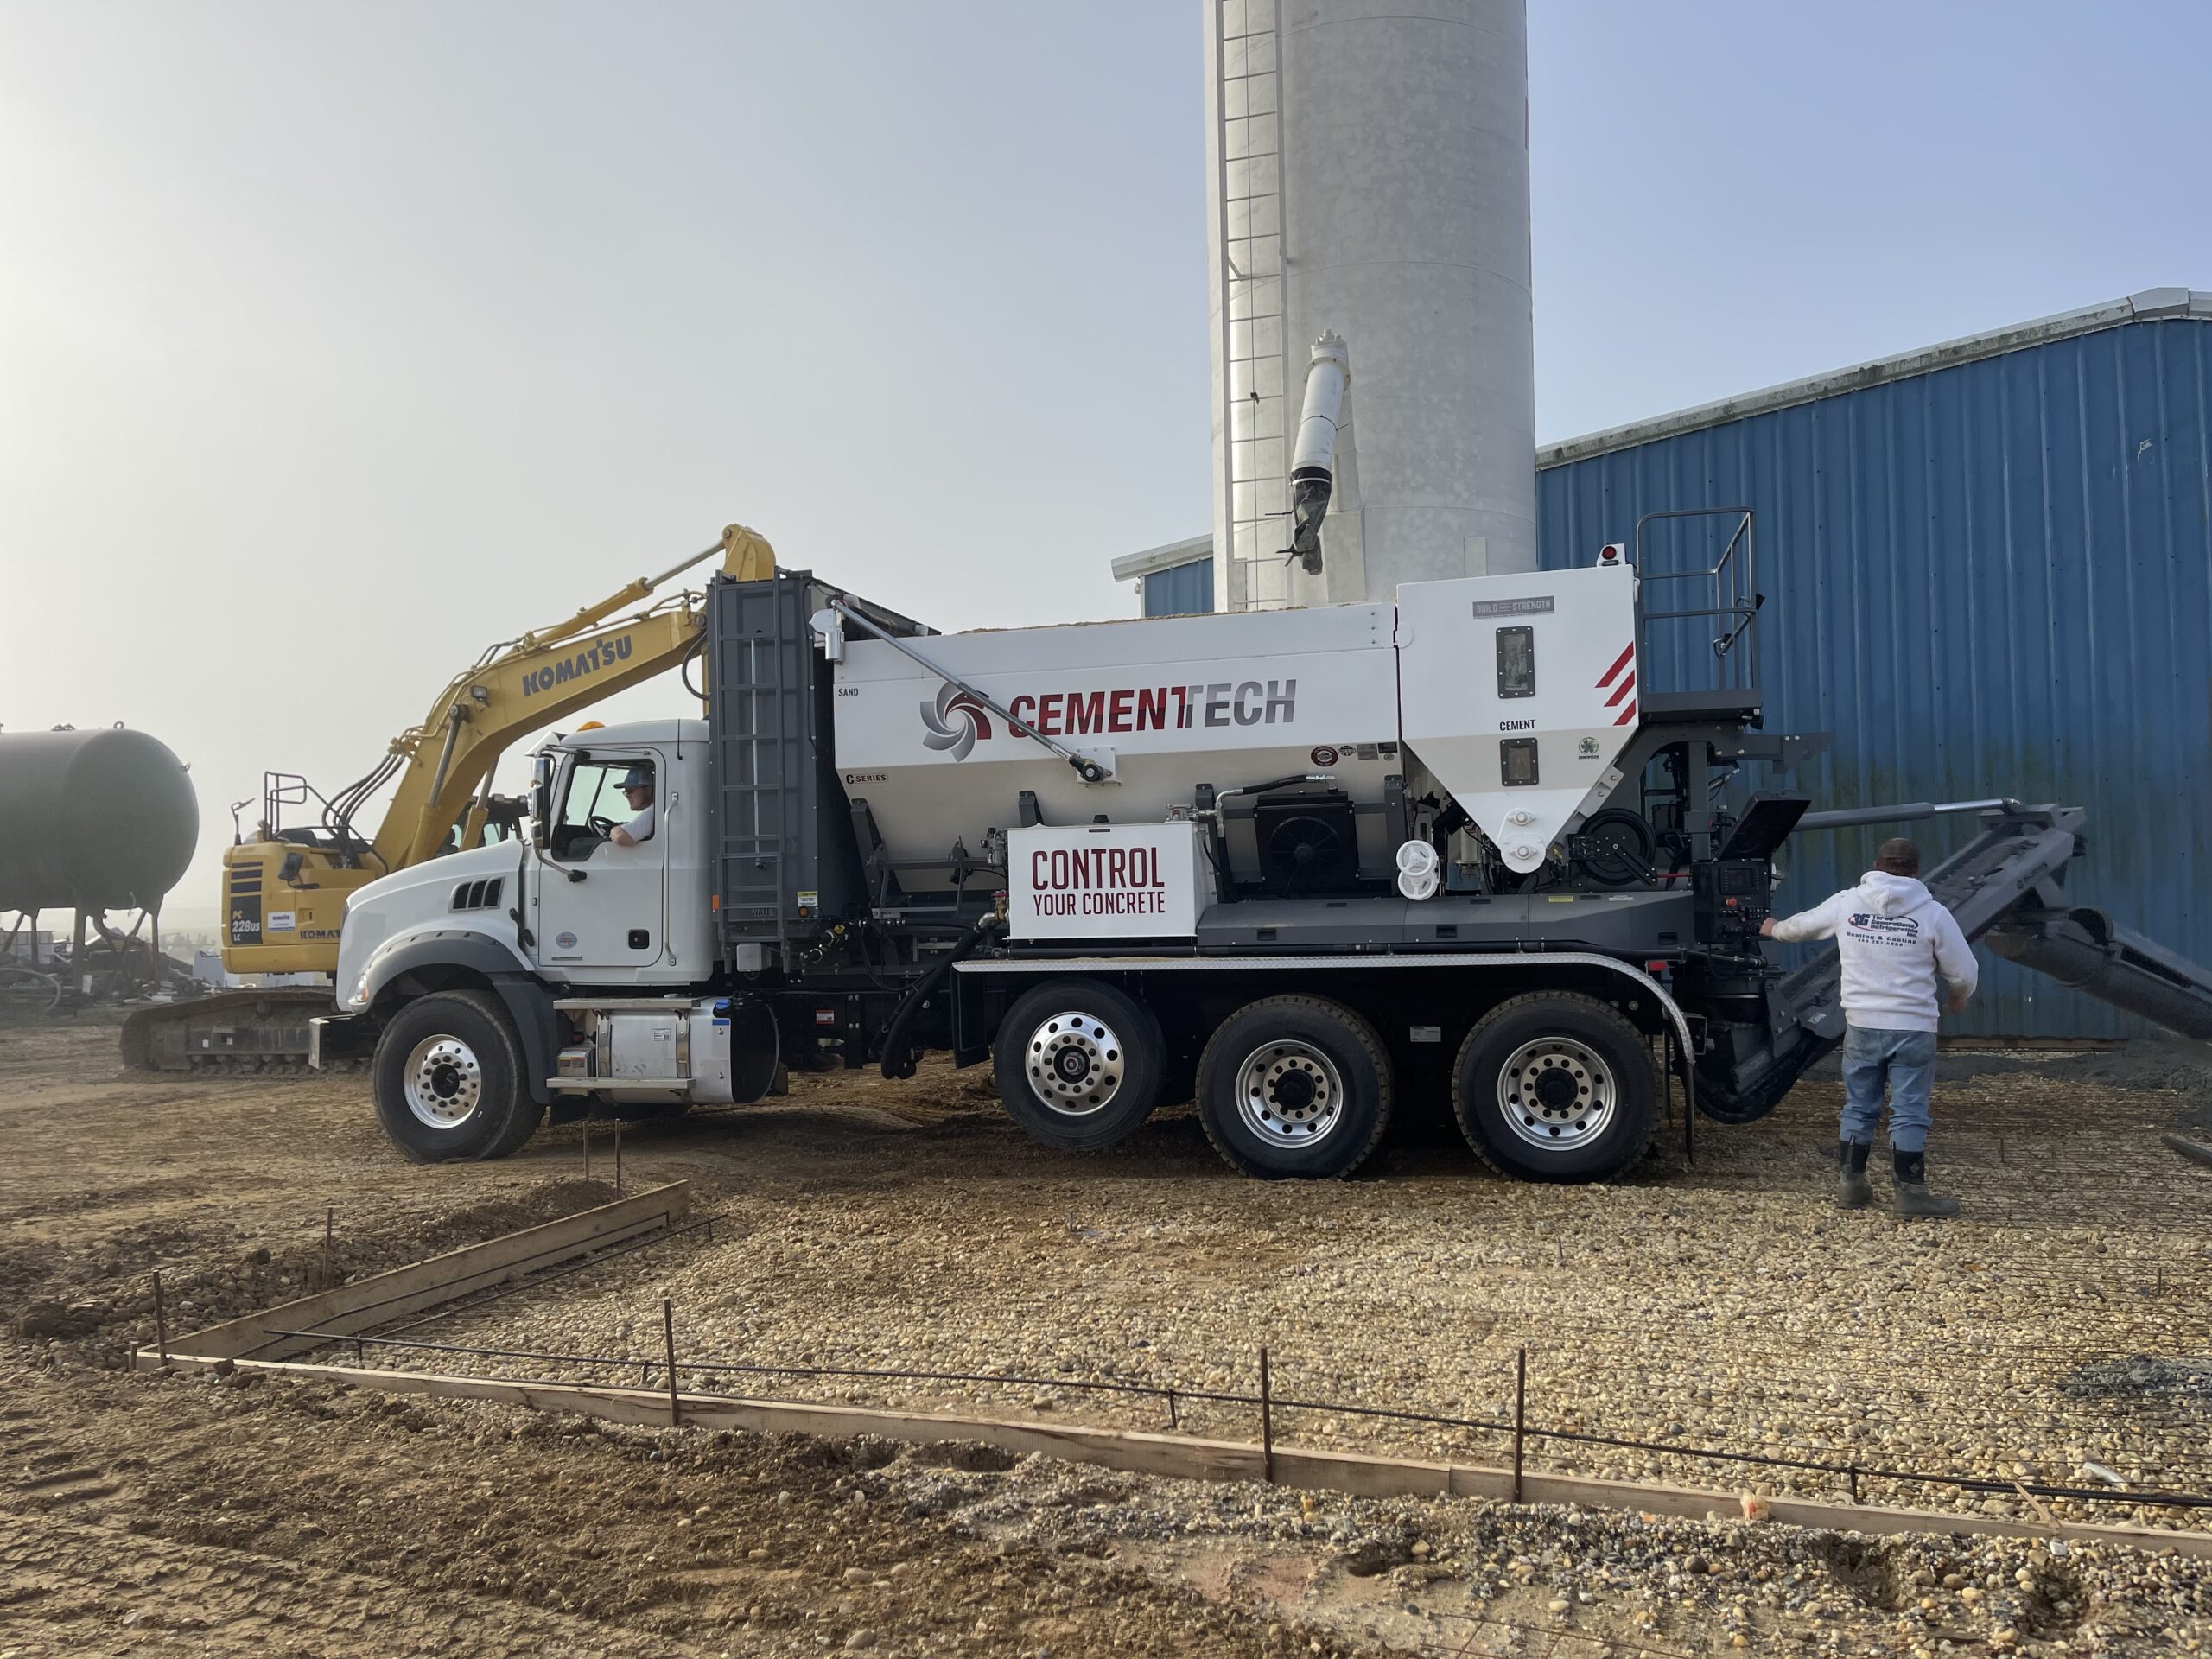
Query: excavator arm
x=532 y=682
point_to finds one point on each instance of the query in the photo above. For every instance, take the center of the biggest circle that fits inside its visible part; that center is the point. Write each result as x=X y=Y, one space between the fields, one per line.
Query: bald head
x=1898 y=856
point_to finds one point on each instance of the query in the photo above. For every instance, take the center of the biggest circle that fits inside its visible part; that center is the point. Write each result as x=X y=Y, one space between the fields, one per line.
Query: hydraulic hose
x=897 y=1051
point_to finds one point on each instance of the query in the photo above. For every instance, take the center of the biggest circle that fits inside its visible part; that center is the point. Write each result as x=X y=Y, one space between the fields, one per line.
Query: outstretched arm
x=1819 y=922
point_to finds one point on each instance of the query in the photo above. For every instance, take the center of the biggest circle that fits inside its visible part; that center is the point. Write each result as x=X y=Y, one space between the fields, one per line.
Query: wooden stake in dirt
x=329 y=1224
x=161 y=1325
x=1519 y=1415
x=668 y=1340
x=1267 y=1424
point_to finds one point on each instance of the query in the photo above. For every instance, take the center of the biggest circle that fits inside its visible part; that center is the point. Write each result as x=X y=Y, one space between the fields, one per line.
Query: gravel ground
x=2060 y=1325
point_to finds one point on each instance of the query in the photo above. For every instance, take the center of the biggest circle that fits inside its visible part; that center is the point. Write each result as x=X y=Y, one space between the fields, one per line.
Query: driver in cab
x=638 y=789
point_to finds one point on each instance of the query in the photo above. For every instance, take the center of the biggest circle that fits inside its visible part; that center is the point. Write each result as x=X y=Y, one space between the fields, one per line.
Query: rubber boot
x=1909 y=1173
x=1854 y=1191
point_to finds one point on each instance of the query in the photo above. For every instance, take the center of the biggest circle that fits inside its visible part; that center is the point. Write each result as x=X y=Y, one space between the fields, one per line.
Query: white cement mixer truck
x=1300 y=865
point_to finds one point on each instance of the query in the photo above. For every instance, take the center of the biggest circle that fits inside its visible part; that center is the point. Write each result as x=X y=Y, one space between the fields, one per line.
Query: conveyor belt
x=2007 y=888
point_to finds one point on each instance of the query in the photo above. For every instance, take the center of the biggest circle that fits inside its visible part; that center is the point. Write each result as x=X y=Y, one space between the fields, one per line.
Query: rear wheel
x=1294 y=1086
x=1557 y=1088
x=1079 y=1064
x=448 y=1080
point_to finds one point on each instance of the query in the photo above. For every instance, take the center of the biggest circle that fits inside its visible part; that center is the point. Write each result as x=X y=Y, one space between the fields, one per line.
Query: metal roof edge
x=1165 y=557
x=2150 y=304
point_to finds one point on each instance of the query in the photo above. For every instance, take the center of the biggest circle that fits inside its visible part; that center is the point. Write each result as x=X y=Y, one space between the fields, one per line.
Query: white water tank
x=1369 y=174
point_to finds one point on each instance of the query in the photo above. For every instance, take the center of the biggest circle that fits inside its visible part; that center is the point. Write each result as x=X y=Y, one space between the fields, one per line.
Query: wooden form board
x=1184 y=1458
x=386 y=1296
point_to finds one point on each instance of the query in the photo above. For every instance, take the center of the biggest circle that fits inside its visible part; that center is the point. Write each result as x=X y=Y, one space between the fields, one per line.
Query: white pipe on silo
x=1313 y=459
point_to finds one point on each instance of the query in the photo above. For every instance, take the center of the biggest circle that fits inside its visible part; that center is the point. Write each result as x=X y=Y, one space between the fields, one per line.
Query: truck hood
x=453 y=891
x=478 y=863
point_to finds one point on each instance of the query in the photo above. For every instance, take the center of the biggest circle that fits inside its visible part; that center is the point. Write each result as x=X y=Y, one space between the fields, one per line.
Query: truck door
x=611 y=924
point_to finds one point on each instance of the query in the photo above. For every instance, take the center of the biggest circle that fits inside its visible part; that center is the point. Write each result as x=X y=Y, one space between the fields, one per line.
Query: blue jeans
x=1903 y=1060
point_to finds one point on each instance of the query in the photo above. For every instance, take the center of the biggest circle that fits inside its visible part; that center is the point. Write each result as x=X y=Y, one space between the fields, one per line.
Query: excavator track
x=232 y=1033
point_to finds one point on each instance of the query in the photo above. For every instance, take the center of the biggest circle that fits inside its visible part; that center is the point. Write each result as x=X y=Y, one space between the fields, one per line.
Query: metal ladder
x=762 y=809
x=1255 y=413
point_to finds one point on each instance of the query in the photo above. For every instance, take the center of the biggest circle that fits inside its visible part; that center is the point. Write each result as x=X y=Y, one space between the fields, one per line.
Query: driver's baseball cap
x=638 y=777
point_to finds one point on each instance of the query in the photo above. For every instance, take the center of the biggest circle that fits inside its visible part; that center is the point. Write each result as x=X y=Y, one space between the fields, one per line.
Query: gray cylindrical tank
x=1369 y=175
x=96 y=820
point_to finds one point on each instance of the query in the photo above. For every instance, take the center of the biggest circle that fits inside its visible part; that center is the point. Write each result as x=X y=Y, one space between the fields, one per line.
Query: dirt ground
x=144 y=1515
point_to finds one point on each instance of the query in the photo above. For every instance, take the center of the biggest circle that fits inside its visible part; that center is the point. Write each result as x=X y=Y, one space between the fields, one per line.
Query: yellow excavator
x=285 y=887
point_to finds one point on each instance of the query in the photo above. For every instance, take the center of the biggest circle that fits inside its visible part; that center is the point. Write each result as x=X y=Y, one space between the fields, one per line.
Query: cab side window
x=593 y=804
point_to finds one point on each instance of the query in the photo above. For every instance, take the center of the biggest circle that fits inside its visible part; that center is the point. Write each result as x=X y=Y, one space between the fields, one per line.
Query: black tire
x=468 y=1064
x=1582 y=1075
x=1294 y=1088
x=1079 y=1064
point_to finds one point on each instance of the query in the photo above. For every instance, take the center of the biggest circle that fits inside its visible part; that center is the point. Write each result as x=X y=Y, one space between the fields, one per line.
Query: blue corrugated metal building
x=1988 y=570
x=1174 y=580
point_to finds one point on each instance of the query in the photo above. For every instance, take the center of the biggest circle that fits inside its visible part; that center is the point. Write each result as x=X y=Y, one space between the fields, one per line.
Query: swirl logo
x=955 y=721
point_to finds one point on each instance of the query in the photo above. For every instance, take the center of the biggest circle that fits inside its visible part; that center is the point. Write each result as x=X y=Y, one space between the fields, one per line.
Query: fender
x=436 y=947
x=528 y=1004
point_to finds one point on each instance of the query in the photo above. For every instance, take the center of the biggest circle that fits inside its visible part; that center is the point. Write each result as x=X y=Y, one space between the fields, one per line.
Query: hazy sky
x=337 y=340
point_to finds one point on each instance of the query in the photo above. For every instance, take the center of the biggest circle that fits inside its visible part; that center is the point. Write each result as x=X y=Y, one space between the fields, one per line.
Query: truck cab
x=488 y=978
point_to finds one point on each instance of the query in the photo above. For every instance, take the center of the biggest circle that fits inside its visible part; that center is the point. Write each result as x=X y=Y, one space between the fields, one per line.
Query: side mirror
x=541 y=803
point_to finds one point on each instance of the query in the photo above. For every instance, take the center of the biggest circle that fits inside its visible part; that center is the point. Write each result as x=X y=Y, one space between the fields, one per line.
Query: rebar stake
x=1172 y=1421
x=668 y=1341
x=329 y=1224
x=587 y=1148
x=161 y=1323
x=1519 y=1415
x=617 y=1160
x=1267 y=1424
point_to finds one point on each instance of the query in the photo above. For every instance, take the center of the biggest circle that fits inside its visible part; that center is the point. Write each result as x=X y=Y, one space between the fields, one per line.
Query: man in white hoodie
x=1895 y=941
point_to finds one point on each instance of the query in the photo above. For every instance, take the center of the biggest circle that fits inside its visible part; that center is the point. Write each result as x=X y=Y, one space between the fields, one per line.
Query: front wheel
x=448 y=1080
x=1555 y=1088
x=1294 y=1086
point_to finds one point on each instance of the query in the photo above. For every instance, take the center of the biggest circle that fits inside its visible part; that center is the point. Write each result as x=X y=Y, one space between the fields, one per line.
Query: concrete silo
x=1369 y=174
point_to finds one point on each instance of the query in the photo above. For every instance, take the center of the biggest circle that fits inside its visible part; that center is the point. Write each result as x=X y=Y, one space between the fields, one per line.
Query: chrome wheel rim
x=443 y=1083
x=1557 y=1093
x=1076 y=1064
x=1289 y=1094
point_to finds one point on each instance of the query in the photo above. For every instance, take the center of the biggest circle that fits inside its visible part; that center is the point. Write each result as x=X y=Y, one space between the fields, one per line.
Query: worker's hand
x=622 y=837
x=1958 y=1001
x=1766 y=928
